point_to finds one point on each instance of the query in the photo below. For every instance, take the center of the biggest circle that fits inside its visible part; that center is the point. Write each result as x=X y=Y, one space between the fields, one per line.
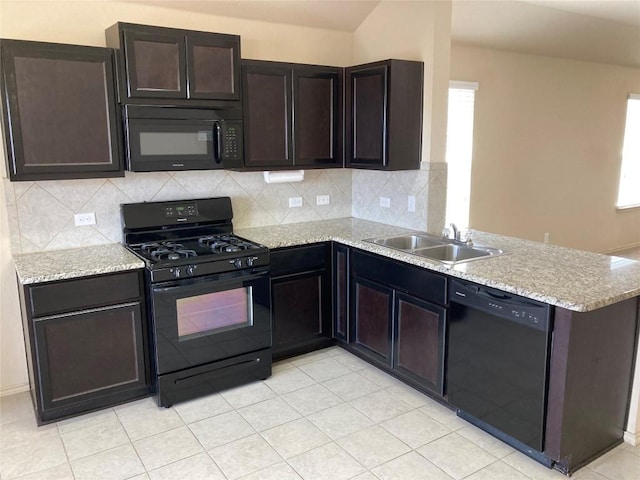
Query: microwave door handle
x=217 y=148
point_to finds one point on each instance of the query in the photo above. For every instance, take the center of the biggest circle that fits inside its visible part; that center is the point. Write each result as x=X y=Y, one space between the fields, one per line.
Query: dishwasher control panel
x=502 y=304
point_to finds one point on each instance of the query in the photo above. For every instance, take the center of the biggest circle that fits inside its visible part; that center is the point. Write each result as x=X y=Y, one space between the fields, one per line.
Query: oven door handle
x=220 y=279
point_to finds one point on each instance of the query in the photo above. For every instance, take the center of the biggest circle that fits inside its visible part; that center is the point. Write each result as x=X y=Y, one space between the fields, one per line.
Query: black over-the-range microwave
x=175 y=138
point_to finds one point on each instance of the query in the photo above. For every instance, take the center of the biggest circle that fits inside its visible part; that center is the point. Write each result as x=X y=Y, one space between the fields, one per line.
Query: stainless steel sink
x=408 y=242
x=442 y=250
x=453 y=253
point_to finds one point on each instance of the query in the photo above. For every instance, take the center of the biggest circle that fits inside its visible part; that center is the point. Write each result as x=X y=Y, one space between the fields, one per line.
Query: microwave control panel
x=232 y=140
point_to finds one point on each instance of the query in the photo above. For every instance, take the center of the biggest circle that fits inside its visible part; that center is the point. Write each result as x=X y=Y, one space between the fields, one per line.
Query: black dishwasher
x=497 y=363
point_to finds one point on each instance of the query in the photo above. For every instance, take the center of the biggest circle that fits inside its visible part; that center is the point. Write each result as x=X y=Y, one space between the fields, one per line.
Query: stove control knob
x=251 y=260
x=191 y=270
x=236 y=262
x=176 y=272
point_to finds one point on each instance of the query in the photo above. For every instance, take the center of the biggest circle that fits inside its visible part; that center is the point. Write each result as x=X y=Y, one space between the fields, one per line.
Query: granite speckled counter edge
x=54 y=265
x=572 y=279
x=567 y=278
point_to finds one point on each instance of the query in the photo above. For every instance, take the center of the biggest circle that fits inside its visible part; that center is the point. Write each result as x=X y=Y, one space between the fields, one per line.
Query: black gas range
x=190 y=238
x=208 y=293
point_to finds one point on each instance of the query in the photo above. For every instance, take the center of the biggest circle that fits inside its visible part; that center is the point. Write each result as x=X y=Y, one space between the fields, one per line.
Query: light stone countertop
x=73 y=263
x=572 y=279
x=564 y=277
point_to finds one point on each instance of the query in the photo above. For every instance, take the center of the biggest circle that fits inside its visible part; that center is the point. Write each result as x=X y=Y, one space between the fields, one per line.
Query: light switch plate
x=385 y=202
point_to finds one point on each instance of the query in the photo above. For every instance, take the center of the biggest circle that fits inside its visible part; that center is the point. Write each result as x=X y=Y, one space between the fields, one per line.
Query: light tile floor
x=325 y=415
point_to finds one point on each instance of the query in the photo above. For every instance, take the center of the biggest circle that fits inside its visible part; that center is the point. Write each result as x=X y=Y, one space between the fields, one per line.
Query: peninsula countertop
x=568 y=278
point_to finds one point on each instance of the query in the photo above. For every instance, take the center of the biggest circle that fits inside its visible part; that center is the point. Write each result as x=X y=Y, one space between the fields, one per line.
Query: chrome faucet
x=455 y=231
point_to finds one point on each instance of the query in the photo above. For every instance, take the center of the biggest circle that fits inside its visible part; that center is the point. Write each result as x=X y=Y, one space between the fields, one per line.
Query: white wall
x=547 y=147
x=13 y=371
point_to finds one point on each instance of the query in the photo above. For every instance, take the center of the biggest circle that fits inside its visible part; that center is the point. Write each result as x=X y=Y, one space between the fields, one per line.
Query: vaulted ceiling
x=605 y=31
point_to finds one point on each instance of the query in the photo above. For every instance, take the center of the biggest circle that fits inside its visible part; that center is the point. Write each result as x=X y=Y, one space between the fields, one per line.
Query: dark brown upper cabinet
x=60 y=114
x=159 y=63
x=292 y=115
x=384 y=115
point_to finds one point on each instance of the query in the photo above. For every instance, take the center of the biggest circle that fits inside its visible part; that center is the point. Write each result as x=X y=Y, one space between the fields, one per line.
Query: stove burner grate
x=225 y=243
x=167 y=250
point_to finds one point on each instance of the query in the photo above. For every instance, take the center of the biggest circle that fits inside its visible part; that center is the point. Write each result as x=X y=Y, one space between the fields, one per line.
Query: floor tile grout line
x=130 y=441
x=388 y=389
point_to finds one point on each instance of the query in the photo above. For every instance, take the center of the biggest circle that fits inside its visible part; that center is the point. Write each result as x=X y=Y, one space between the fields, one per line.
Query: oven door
x=204 y=319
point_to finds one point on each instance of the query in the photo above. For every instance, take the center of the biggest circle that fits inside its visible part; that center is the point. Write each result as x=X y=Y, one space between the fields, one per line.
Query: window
x=459 y=151
x=629 y=190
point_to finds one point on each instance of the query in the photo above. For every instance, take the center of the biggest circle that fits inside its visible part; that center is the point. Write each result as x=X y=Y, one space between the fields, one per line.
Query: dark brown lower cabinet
x=398 y=318
x=590 y=381
x=300 y=299
x=419 y=341
x=86 y=343
x=372 y=314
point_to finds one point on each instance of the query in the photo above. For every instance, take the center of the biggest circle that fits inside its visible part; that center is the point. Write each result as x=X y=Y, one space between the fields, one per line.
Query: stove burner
x=172 y=254
x=167 y=250
x=154 y=246
x=225 y=243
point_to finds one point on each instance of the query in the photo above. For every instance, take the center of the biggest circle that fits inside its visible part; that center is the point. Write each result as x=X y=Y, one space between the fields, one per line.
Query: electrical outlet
x=83 y=219
x=546 y=237
x=295 y=202
x=322 y=200
x=385 y=202
x=411 y=203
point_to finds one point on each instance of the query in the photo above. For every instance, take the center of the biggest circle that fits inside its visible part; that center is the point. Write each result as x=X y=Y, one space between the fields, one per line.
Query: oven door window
x=214 y=312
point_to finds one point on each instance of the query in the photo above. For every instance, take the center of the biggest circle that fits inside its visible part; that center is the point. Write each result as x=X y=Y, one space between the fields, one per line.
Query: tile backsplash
x=41 y=214
x=428 y=186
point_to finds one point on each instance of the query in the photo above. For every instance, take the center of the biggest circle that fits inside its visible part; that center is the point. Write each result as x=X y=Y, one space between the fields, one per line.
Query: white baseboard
x=5 y=392
x=619 y=249
x=632 y=438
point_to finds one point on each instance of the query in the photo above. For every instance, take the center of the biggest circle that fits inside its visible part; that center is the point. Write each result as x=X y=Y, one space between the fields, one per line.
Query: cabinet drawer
x=402 y=276
x=82 y=293
x=286 y=261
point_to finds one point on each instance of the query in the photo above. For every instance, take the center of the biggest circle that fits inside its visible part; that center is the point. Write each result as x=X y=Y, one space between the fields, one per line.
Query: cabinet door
x=155 y=64
x=300 y=299
x=367 y=116
x=371 y=330
x=297 y=308
x=419 y=337
x=213 y=66
x=88 y=355
x=341 y=292
x=60 y=116
x=317 y=116
x=267 y=115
